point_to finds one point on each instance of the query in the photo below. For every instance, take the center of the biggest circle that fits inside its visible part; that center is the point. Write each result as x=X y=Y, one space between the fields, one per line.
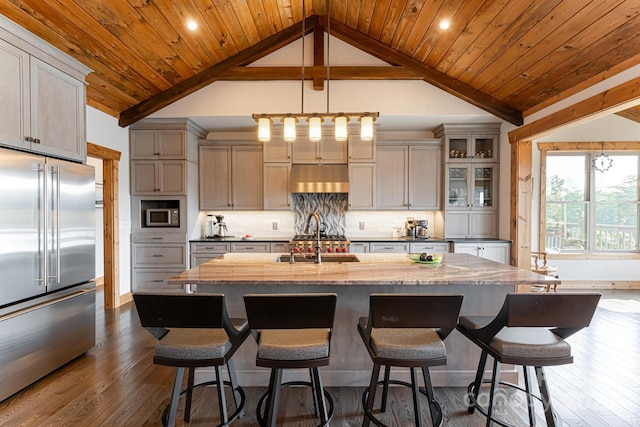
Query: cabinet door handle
x=37 y=140
x=158 y=281
x=156 y=154
x=249 y=248
x=28 y=139
x=158 y=256
x=157 y=238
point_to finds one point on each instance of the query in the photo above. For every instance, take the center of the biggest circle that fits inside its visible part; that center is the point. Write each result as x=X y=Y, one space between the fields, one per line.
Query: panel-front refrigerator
x=47 y=261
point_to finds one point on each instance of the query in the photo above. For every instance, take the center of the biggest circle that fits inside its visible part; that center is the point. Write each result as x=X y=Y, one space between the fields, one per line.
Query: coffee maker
x=410 y=228
x=420 y=227
x=220 y=227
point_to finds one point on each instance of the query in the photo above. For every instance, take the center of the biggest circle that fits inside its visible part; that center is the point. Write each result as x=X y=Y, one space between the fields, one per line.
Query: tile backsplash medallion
x=333 y=210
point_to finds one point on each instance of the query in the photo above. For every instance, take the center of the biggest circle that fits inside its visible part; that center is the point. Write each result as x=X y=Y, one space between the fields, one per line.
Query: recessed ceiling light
x=192 y=25
x=444 y=24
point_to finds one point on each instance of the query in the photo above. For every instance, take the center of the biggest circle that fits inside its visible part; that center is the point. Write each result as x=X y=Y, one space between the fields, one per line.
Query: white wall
x=103 y=130
x=97 y=165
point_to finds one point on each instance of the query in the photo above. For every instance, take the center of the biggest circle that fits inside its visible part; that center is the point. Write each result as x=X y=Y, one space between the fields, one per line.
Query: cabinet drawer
x=279 y=247
x=201 y=258
x=359 y=248
x=210 y=247
x=380 y=247
x=156 y=237
x=429 y=247
x=153 y=280
x=251 y=247
x=166 y=255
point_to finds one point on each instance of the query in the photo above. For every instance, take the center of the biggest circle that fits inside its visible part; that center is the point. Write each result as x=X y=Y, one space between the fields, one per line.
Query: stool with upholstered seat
x=194 y=330
x=529 y=330
x=292 y=331
x=407 y=330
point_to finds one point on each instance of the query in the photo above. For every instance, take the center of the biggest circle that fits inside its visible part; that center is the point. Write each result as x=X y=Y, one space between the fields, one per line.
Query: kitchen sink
x=305 y=258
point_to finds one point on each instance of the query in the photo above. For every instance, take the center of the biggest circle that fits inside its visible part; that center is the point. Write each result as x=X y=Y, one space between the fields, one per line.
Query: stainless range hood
x=319 y=179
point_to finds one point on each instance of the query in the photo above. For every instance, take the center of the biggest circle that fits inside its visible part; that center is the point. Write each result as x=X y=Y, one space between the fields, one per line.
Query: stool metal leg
x=372 y=394
x=416 y=396
x=233 y=379
x=477 y=383
x=187 y=405
x=221 y=397
x=315 y=393
x=322 y=406
x=495 y=381
x=433 y=406
x=528 y=391
x=385 y=388
x=275 y=397
x=546 y=397
x=175 y=396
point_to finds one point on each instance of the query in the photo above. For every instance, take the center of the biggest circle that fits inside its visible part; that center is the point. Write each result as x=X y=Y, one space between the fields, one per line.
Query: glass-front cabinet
x=478 y=148
x=470 y=186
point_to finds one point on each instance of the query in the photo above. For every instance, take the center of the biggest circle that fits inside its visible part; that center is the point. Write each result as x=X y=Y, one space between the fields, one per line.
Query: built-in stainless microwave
x=163 y=217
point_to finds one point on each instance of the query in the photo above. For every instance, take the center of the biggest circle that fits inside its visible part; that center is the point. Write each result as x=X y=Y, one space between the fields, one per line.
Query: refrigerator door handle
x=57 y=213
x=54 y=232
x=42 y=228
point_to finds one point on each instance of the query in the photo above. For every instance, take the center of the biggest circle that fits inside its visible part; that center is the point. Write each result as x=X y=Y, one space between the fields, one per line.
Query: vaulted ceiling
x=508 y=57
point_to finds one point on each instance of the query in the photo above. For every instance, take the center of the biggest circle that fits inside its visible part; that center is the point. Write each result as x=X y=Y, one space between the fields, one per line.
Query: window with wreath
x=588 y=210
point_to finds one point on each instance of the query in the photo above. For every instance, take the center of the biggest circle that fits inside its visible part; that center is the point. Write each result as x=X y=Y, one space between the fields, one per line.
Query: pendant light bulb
x=264 y=129
x=341 y=128
x=290 y=128
x=315 y=128
x=366 y=128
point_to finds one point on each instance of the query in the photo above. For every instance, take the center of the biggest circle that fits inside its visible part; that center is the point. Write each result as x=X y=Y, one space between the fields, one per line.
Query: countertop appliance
x=306 y=243
x=47 y=262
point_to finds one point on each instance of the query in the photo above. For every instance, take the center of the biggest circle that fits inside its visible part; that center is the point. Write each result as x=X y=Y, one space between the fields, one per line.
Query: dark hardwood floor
x=115 y=384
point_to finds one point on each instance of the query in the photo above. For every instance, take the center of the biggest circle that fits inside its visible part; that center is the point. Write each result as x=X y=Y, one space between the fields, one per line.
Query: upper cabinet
x=464 y=143
x=361 y=151
x=277 y=150
x=155 y=144
x=43 y=97
x=231 y=177
x=327 y=150
x=408 y=176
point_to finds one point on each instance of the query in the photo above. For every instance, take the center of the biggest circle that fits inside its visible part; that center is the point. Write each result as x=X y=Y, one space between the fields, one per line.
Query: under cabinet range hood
x=319 y=179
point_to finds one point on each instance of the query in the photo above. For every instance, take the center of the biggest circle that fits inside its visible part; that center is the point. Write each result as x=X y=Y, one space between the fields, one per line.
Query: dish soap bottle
x=208 y=232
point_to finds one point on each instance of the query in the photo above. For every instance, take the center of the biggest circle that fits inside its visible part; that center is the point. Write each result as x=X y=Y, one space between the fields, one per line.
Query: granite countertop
x=377 y=268
x=352 y=239
x=241 y=239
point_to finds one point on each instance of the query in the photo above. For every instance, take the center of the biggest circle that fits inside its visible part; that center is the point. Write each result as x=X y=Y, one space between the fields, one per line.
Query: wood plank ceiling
x=511 y=58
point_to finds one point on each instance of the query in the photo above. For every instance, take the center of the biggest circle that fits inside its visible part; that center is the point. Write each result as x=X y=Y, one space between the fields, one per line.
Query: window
x=588 y=210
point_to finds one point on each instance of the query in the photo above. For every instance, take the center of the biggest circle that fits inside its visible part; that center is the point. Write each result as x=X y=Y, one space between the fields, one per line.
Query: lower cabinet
x=280 y=247
x=470 y=224
x=429 y=247
x=156 y=257
x=251 y=247
x=202 y=252
x=359 y=247
x=389 y=247
x=495 y=251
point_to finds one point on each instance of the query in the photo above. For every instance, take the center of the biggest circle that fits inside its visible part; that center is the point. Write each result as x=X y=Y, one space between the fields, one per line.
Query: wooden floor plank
x=116 y=384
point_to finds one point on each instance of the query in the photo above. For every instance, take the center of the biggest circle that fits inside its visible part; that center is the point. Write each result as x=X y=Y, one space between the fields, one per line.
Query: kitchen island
x=484 y=284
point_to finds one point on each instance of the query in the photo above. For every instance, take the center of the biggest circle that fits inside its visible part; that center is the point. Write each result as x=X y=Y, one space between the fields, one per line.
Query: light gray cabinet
x=277 y=150
x=419 y=247
x=463 y=142
x=495 y=251
x=389 y=247
x=250 y=247
x=327 y=150
x=231 y=177
x=202 y=252
x=359 y=247
x=280 y=247
x=152 y=177
x=361 y=151
x=158 y=144
x=276 y=186
x=155 y=256
x=43 y=100
x=362 y=186
x=409 y=177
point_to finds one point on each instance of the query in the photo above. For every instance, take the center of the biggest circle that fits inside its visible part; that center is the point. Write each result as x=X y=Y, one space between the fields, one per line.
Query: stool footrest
x=238 y=412
x=265 y=397
x=473 y=403
x=373 y=419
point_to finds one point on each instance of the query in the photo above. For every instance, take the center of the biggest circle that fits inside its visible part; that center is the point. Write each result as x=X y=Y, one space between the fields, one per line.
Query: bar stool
x=529 y=330
x=292 y=331
x=407 y=330
x=194 y=330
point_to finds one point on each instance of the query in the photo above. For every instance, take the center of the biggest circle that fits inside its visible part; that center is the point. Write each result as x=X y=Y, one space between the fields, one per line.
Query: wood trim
x=128 y=297
x=542 y=222
x=599 y=284
x=319 y=73
x=318 y=55
x=521 y=197
x=430 y=75
x=210 y=75
x=610 y=101
x=589 y=146
x=111 y=222
x=101 y=152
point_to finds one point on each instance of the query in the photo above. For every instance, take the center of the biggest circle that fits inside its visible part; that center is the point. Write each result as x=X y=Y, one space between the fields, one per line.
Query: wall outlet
x=361 y=225
x=274 y=225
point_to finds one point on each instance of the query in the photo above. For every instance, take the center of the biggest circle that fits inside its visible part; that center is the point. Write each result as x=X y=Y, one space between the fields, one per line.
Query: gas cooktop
x=323 y=237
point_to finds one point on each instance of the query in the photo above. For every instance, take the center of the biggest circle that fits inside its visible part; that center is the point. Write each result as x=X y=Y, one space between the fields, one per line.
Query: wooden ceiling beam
x=429 y=75
x=210 y=75
x=318 y=55
x=319 y=73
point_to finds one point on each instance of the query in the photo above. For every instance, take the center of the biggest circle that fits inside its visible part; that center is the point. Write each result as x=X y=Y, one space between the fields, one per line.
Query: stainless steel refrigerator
x=47 y=261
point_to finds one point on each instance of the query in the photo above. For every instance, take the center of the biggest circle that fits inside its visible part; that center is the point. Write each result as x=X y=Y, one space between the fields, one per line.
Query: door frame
x=111 y=222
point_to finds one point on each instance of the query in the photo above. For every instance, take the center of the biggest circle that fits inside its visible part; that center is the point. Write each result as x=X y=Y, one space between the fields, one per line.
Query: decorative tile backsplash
x=330 y=206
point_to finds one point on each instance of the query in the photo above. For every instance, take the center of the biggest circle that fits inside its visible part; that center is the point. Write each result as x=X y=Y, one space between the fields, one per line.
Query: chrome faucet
x=317 y=260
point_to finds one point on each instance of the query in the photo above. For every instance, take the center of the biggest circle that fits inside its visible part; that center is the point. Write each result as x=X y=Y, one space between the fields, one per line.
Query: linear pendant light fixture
x=314 y=120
